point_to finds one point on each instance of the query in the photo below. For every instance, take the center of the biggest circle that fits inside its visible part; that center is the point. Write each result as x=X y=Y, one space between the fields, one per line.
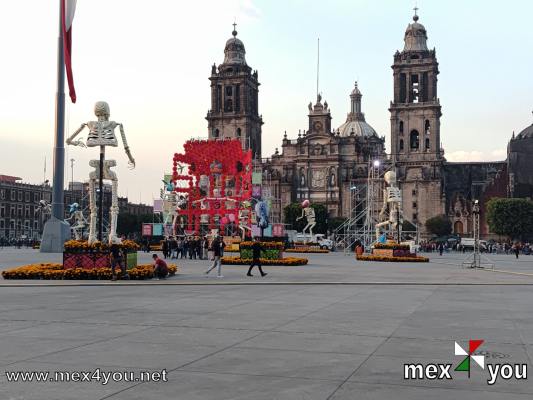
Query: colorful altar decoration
x=392 y=252
x=217 y=185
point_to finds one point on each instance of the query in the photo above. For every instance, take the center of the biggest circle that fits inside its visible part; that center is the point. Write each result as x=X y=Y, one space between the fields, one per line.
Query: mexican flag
x=67 y=15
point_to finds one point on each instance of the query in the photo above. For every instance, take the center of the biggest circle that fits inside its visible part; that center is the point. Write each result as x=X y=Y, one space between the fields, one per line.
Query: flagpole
x=56 y=230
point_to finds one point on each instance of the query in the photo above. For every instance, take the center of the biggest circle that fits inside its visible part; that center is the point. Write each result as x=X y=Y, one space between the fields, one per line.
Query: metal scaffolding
x=366 y=198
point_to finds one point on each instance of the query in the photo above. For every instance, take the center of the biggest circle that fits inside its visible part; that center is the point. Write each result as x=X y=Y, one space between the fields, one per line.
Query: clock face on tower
x=317 y=125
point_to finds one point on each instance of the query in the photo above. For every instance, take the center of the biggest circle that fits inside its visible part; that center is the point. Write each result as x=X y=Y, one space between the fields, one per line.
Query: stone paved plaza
x=334 y=329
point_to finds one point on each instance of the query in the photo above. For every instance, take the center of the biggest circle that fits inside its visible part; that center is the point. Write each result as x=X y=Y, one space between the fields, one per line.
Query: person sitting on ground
x=160 y=267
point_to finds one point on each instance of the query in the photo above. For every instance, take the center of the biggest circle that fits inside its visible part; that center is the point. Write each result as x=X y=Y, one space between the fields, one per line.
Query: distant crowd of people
x=515 y=248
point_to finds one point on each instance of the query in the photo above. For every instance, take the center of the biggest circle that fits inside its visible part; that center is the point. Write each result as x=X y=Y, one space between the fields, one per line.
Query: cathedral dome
x=415 y=36
x=355 y=124
x=526 y=133
x=234 y=51
x=357 y=128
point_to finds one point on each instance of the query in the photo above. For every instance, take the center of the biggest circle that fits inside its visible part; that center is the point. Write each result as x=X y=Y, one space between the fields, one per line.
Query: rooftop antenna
x=317 y=66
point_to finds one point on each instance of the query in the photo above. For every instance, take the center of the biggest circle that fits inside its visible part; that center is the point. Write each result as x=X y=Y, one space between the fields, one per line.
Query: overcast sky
x=151 y=61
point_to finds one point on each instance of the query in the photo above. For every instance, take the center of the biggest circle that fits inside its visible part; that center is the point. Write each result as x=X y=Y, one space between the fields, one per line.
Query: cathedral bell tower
x=415 y=127
x=234 y=99
x=415 y=111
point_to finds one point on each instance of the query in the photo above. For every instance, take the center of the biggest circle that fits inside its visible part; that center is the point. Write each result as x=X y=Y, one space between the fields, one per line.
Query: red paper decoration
x=219 y=161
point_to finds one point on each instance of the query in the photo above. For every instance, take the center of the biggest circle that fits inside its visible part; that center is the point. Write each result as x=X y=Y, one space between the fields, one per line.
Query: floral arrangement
x=83 y=245
x=369 y=257
x=289 y=261
x=391 y=246
x=264 y=245
x=56 y=271
x=306 y=250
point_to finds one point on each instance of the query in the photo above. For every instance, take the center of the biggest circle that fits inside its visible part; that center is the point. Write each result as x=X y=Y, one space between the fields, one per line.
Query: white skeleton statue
x=102 y=134
x=80 y=223
x=391 y=213
x=170 y=210
x=244 y=219
x=43 y=207
x=309 y=213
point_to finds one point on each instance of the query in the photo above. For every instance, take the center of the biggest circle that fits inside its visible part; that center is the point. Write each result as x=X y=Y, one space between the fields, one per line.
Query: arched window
x=427 y=144
x=427 y=127
x=414 y=140
x=216 y=133
x=401 y=128
x=238 y=132
x=302 y=177
x=401 y=144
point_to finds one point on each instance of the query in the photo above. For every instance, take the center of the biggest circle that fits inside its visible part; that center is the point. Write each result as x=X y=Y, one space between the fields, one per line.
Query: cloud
x=474 y=155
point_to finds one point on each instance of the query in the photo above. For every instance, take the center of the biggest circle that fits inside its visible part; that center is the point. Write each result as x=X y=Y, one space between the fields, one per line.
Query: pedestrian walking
x=256 y=258
x=205 y=247
x=117 y=258
x=441 y=249
x=185 y=248
x=216 y=248
x=160 y=267
x=516 y=249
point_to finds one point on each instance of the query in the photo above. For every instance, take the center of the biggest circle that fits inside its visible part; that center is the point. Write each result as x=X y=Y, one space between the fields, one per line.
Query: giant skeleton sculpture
x=80 y=222
x=309 y=213
x=391 y=213
x=43 y=208
x=102 y=134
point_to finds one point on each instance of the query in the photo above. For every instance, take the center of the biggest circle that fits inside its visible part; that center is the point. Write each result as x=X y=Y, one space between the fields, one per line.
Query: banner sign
x=147 y=229
x=158 y=205
x=278 y=230
x=157 y=230
x=257 y=178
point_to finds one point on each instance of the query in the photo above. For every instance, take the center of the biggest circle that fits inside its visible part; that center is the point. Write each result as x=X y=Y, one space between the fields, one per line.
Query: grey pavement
x=328 y=330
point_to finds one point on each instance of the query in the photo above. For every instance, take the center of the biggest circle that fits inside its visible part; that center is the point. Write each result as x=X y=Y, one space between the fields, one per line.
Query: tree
x=130 y=224
x=510 y=217
x=335 y=222
x=439 y=225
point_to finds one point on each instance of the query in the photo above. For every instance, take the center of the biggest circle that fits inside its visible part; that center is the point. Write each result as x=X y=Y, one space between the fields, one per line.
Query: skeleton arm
x=131 y=163
x=78 y=142
x=301 y=216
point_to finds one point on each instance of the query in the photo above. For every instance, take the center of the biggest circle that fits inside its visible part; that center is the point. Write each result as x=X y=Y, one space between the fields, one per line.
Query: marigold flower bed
x=391 y=246
x=288 y=261
x=306 y=250
x=83 y=245
x=56 y=271
x=370 y=257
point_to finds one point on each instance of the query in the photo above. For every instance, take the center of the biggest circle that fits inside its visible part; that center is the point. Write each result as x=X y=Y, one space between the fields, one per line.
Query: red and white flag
x=67 y=15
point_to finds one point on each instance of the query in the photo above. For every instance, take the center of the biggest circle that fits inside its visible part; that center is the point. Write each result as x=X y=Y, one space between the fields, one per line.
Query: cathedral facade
x=325 y=165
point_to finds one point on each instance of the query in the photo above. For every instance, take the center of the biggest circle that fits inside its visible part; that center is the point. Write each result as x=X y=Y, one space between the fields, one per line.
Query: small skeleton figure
x=80 y=223
x=391 y=212
x=309 y=213
x=170 y=210
x=244 y=218
x=102 y=133
x=43 y=208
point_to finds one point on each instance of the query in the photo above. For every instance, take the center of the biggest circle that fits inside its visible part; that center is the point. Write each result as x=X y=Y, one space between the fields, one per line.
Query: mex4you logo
x=433 y=371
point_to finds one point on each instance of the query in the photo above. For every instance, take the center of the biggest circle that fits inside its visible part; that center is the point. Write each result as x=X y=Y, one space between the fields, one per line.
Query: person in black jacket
x=256 y=258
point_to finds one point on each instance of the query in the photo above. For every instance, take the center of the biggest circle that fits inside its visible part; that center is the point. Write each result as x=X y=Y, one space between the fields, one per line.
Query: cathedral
x=325 y=164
